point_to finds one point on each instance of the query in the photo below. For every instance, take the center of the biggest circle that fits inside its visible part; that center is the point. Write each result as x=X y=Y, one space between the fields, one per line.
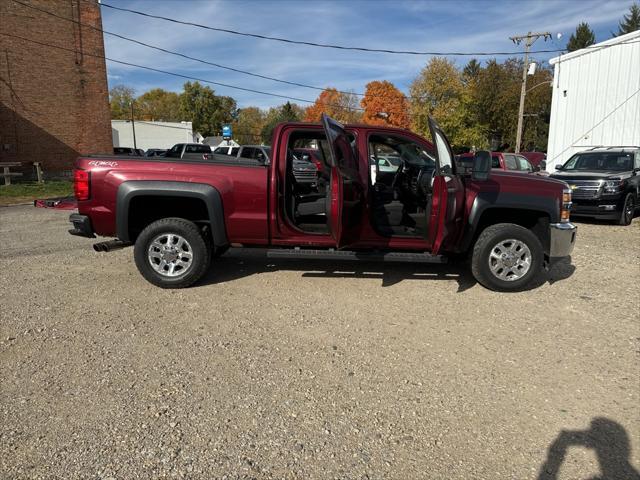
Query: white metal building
x=153 y=134
x=596 y=98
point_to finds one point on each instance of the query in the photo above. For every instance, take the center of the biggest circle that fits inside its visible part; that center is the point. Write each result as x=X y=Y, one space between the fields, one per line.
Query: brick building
x=54 y=103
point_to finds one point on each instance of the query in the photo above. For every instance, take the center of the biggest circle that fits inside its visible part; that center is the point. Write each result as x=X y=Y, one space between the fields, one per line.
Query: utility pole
x=529 y=39
x=133 y=127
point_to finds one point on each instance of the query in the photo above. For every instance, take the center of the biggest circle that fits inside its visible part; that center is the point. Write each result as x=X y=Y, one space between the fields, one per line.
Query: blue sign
x=226 y=132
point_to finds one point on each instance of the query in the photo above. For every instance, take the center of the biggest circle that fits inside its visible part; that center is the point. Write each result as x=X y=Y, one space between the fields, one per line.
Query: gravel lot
x=295 y=369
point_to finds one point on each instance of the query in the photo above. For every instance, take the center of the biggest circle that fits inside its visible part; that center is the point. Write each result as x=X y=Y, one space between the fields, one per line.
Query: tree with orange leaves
x=384 y=104
x=341 y=106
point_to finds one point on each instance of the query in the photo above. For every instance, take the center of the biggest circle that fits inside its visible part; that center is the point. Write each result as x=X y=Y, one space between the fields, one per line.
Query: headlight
x=565 y=211
x=612 y=186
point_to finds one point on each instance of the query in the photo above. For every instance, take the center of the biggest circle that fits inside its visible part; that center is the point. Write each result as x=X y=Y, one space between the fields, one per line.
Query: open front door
x=345 y=197
x=447 y=196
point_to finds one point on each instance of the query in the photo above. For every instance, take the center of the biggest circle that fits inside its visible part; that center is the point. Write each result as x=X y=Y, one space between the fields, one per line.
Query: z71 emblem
x=102 y=163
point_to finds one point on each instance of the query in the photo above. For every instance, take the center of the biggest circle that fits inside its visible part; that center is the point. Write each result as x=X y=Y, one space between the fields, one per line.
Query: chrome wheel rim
x=510 y=260
x=170 y=255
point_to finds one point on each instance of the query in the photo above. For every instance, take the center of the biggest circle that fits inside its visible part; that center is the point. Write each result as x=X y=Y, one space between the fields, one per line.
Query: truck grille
x=585 y=188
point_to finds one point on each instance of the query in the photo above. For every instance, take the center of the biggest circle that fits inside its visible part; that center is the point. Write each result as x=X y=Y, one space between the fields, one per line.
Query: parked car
x=230 y=151
x=260 y=153
x=514 y=162
x=181 y=214
x=196 y=150
x=605 y=182
x=156 y=152
x=536 y=159
x=127 y=151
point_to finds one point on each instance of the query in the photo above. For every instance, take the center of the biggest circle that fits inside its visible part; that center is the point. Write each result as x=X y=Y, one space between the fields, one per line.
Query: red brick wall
x=54 y=104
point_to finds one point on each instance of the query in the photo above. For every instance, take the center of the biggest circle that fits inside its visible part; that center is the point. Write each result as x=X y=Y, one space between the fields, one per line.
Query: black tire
x=628 y=209
x=484 y=246
x=200 y=251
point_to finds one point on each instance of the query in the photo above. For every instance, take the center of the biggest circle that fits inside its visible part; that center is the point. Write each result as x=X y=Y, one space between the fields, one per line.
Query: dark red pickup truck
x=180 y=214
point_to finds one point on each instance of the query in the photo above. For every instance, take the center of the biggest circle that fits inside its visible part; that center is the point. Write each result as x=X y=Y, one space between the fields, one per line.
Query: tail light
x=81 y=184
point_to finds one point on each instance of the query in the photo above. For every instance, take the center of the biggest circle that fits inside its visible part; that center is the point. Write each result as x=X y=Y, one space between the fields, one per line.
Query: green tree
x=120 y=98
x=158 y=105
x=208 y=112
x=583 y=37
x=631 y=22
x=247 y=126
x=289 y=112
x=471 y=70
x=439 y=92
x=495 y=101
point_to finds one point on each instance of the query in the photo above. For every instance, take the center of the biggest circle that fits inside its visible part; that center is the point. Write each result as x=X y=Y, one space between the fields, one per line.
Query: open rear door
x=447 y=199
x=346 y=192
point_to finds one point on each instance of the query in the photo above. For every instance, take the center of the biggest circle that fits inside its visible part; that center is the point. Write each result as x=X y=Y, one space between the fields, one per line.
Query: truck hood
x=507 y=176
x=588 y=175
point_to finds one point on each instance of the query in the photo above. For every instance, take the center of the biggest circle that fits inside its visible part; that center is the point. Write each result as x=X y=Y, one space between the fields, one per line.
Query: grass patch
x=29 y=191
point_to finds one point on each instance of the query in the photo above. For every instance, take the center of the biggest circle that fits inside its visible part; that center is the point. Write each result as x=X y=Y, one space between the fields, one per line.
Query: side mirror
x=559 y=167
x=543 y=165
x=481 y=165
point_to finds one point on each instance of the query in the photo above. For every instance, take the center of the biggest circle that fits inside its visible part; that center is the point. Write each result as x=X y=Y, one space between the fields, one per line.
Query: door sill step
x=406 y=257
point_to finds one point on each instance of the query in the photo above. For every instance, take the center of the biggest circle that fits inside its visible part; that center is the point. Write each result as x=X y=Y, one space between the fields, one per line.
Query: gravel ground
x=295 y=369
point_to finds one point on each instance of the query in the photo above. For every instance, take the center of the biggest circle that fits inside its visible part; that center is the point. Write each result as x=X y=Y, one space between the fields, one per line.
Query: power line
x=314 y=44
x=188 y=77
x=342 y=47
x=188 y=57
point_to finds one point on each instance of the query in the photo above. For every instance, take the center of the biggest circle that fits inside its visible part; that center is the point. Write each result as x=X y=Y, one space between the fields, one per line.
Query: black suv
x=605 y=182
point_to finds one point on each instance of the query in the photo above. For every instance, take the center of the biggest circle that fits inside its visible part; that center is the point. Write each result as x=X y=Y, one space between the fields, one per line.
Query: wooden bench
x=7 y=174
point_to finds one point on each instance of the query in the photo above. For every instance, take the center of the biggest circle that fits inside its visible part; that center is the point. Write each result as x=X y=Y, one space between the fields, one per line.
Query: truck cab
x=179 y=215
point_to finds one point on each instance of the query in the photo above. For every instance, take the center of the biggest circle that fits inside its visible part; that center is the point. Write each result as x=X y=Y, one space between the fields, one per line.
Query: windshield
x=395 y=150
x=267 y=150
x=610 y=161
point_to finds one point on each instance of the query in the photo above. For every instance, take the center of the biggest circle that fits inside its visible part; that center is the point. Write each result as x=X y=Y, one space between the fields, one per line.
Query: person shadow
x=607 y=438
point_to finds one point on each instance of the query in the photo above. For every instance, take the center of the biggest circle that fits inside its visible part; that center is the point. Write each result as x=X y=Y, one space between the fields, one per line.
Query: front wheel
x=626 y=216
x=172 y=253
x=506 y=257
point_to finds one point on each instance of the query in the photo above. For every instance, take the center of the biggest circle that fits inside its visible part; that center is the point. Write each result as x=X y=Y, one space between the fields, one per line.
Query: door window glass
x=444 y=155
x=510 y=162
x=524 y=165
x=247 y=152
x=175 y=151
x=495 y=161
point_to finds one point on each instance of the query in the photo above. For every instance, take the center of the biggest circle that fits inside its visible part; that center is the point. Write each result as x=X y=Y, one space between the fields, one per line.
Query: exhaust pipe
x=110 y=245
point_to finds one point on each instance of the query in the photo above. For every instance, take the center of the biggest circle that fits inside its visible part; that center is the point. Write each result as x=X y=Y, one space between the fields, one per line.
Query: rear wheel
x=172 y=253
x=506 y=257
x=626 y=216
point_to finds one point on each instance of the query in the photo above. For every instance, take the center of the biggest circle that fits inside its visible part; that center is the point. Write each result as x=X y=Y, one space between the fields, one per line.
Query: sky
x=435 y=26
